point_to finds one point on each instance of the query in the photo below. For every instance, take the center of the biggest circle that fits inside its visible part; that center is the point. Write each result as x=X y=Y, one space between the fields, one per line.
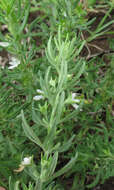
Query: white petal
x=65 y=15
x=12 y=67
x=39 y=91
x=76 y=100
x=4 y=44
x=75 y=106
x=73 y=95
x=14 y=63
x=38 y=97
x=15 y=60
x=73 y=98
x=26 y=161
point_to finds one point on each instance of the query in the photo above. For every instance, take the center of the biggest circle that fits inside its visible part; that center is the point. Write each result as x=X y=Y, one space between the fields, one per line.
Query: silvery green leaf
x=29 y=132
x=66 y=145
x=67 y=167
x=53 y=164
x=60 y=107
x=32 y=171
x=36 y=116
x=16 y=187
x=96 y=181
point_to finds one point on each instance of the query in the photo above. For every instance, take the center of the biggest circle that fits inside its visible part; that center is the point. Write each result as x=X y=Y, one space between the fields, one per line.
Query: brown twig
x=86 y=45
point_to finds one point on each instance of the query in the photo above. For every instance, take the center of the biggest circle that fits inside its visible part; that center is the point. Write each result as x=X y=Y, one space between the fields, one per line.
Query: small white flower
x=74 y=99
x=26 y=161
x=14 y=63
x=38 y=97
x=65 y=15
x=4 y=44
x=39 y=91
x=74 y=95
x=76 y=106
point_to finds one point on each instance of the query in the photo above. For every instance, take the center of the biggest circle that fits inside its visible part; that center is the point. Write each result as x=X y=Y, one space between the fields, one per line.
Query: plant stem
x=38 y=185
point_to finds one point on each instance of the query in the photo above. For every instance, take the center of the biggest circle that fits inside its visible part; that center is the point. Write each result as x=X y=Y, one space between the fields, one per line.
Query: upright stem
x=38 y=185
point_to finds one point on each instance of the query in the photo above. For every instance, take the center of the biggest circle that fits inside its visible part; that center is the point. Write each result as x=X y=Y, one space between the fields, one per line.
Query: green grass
x=70 y=139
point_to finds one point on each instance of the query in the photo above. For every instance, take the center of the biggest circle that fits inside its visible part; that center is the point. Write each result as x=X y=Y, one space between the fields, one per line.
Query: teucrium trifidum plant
x=56 y=100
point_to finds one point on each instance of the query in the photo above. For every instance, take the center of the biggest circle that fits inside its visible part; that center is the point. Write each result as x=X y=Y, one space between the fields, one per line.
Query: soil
x=108 y=185
x=100 y=45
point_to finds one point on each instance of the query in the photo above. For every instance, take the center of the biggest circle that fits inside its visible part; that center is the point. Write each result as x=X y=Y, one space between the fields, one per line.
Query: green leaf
x=36 y=117
x=53 y=164
x=53 y=114
x=71 y=115
x=25 y=19
x=60 y=107
x=65 y=168
x=29 y=132
x=62 y=76
x=16 y=187
x=95 y=182
x=10 y=6
x=66 y=146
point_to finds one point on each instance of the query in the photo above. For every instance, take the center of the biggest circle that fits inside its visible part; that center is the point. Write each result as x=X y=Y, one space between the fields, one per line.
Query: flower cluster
x=74 y=98
x=40 y=96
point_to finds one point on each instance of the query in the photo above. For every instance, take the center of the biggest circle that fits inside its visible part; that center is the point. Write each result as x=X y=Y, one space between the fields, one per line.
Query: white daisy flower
x=14 y=63
x=4 y=44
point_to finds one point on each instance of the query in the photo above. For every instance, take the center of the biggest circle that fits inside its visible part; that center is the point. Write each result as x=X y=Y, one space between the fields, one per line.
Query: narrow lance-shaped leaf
x=54 y=111
x=48 y=142
x=25 y=19
x=3 y=5
x=32 y=171
x=42 y=84
x=60 y=107
x=16 y=187
x=47 y=81
x=29 y=132
x=36 y=117
x=104 y=18
x=80 y=71
x=11 y=4
x=65 y=168
x=59 y=36
x=95 y=182
x=10 y=184
x=62 y=76
x=67 y=145
x=49 y=51
x=71 y=115
x=81 y=47
x=53 y=164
